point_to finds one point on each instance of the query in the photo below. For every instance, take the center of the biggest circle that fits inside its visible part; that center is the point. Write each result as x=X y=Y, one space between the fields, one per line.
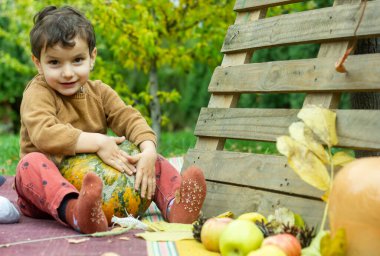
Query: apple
x=253 y=216
x=239 y=238
x=286 y=242
x=268 y=250
x=211 y=232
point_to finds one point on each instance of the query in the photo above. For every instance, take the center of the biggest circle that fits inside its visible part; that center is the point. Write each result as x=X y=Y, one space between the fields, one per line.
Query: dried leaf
x=227 y=214
x=165 y=226
x=282 y=216
x=314 y=248
x=322 y=122
x=166 y=235
x=114 y=232
x=304 y=135
x=77 y=241
x=325 y=196
x=124 y=238
x=342 y=158
x=334 y=246
x=110 y=254
x=304 y=162
x=129 y=221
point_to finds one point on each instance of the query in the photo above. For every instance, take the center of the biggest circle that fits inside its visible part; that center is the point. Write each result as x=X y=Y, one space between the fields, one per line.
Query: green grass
x=9 y=153
x=171 y=144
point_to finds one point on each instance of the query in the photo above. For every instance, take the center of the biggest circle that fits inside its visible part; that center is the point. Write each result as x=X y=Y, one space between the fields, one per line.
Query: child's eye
x=53 y=62
x=78 y=60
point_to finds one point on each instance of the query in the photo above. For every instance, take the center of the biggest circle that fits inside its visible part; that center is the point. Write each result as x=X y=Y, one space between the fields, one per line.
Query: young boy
x=63 y=113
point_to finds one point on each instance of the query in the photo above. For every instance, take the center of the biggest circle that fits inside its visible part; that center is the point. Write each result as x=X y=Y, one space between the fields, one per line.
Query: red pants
x=41 y=187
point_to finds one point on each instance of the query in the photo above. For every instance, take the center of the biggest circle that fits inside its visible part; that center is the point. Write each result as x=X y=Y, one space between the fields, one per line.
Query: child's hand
x=145 y=173
x=112 y=155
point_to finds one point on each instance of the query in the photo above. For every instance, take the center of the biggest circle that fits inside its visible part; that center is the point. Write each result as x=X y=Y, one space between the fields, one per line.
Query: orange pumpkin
x=119 y=196
x=355 y=206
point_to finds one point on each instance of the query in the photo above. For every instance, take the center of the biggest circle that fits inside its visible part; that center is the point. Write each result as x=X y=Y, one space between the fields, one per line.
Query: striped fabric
x=154 y=214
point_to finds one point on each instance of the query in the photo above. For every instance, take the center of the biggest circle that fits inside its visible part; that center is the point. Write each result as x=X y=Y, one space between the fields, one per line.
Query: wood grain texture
x=222 y=197
x=230 y=100
x=265 y=172
x=249 y=5
x=321 y=25
x=357 y=129
x=312 y=75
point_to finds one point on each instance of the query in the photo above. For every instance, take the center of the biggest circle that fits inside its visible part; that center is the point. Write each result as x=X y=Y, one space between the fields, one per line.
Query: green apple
x=239 y=238
x=268 y=250
x=211 y=232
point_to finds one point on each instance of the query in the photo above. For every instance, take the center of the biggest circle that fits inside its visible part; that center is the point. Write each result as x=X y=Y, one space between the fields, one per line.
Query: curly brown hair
x=54 y=25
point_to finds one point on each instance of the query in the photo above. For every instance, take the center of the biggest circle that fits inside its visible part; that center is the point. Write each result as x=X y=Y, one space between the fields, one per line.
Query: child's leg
x=180 y=199
x=44 y=192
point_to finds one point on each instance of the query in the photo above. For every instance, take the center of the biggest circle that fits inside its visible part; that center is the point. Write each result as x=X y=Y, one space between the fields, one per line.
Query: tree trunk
x=366 y=100
x=155 y=108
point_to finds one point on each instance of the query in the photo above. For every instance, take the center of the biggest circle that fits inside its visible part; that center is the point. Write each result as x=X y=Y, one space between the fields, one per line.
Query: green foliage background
x=185 y=36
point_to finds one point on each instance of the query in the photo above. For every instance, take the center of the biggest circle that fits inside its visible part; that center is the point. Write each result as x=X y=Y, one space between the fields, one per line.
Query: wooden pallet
x=243 y=182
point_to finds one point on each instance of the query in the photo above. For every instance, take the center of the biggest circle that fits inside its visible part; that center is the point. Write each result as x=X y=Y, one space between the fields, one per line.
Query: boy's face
x=66 y=69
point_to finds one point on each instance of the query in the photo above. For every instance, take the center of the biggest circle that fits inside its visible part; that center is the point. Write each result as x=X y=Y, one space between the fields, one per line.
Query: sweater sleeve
x=39 y=115
x=125 y=120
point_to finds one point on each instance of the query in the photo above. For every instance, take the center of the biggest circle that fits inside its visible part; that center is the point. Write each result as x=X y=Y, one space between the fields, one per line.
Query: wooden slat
x=221 y=198
x=312 y=75
x=265 y=172
x=357 y=129
x=320 y=25
x=228 y=101
x=249 y=5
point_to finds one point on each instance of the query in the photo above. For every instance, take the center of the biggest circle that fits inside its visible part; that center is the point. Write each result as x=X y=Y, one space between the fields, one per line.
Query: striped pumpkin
x=119 y=196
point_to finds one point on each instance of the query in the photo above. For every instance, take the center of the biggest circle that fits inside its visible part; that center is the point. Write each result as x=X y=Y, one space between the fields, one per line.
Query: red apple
x=286 y=242
x=211 y=231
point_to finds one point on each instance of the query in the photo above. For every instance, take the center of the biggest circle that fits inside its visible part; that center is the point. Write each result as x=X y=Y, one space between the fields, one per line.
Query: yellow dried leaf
x=110 y=254
x=334 y=246
x=304 y=162
x=322 y=122
x=342 y=158
x=227 y=214
x=314 y=247
x=165 y=226
x=77 y=241
x=166 y=235
x=325 y=196
x=304 y=135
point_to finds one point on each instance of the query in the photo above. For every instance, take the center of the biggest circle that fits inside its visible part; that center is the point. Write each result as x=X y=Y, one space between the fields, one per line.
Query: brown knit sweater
x=51 y=123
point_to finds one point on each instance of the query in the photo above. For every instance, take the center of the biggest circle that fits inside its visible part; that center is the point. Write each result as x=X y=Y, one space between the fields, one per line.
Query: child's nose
x=67 y=71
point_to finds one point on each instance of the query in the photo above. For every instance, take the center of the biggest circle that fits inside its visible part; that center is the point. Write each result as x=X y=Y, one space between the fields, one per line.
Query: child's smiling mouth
x=71 y=84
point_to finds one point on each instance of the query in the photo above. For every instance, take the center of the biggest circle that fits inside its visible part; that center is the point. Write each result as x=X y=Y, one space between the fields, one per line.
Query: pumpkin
x=119 y=196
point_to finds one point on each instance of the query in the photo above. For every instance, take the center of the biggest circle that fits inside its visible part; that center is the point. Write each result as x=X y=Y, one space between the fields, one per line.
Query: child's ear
x=37 y=63
x=93 y=56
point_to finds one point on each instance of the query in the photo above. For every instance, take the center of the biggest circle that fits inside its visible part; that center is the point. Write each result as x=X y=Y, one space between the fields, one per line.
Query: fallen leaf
x=322 y=122
x=110 y=254
x=124 y=238
x=342 y=158
x=304 y=135
x=166 y=235
x=334 y=246
x=114 y=232
x=304 y=162
x=314 y=248
x=77 y=241
x=165 y=226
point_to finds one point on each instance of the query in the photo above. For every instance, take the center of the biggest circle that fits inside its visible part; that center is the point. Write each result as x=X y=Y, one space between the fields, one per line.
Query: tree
x=148 y=35
x=366 y=100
